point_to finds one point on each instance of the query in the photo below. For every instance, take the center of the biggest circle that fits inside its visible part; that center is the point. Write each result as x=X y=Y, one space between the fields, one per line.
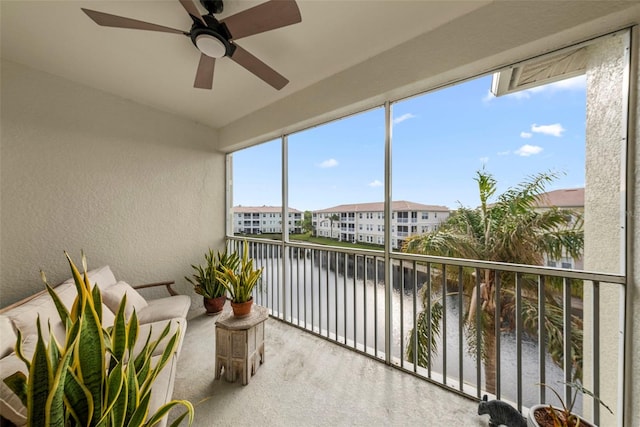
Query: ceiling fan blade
x=259 y=68
x=263 y=17
x=204 y=75
x=191 y=9
x=108 y=20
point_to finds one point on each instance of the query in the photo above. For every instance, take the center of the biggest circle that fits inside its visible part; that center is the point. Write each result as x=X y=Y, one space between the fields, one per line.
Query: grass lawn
x=307 y=237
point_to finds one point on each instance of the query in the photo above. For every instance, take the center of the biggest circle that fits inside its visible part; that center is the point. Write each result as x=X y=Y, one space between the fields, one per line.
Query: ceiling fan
x=216 y=39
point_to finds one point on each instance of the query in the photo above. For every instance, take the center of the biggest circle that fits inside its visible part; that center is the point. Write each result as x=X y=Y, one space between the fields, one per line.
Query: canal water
x=320 y=296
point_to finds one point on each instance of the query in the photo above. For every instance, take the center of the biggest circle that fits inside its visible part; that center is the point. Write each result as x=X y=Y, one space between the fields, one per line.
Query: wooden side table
x=240 y=344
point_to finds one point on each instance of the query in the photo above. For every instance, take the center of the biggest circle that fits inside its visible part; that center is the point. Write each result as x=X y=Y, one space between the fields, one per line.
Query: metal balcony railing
x=343 y=295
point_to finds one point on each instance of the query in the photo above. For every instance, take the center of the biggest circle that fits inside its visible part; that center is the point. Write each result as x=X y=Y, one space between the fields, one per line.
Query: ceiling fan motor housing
x=212 y=40
x=213 y=6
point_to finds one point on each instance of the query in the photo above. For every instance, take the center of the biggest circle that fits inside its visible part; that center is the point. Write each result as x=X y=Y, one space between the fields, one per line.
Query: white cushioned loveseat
x=152 y=314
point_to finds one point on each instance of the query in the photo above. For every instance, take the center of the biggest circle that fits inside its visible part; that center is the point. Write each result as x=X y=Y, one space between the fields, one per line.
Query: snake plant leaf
x=143 y=374
x=77 y=277
x=90 y=355
x=133 y=329
x=19 y=351
x=119 y=334
x=17 y=382
x=119 y=409
x=55 y=402
x=164 y=409
x=163 y=334
x=53 y=351
x=97 y=301
x=141 y=412
x=134 y=390
x=114 y=387
x=164 y=359
x=40 y=377
x=62 y=310
x=80 y=403
x=145 y=353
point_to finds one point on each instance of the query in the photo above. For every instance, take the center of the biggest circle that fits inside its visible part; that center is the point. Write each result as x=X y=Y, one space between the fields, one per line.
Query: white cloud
x=403 y=117
x=329 y=163
x=523 y=94
x=526 y=134
x=489 y=96
x=375 y=183
x=555 y=129
x=528 y=150
x=503 y=153
x=484 y=159
x=574 y=83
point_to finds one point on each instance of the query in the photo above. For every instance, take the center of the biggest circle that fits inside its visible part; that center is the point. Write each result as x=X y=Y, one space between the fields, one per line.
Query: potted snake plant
x=240 y=283
x=93 y=378
x=206 y=282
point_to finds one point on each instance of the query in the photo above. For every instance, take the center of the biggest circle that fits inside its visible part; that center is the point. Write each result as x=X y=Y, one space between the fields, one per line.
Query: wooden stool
x=240 y=344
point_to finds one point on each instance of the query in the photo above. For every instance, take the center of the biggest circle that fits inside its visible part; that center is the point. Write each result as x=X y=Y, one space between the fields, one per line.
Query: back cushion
x=113 y=296
x=103 y=277
x=24 y=316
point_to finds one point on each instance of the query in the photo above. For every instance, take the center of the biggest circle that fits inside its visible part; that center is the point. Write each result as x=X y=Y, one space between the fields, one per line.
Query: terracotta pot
x=214 y=305
x=532 y=422
x=241 y=309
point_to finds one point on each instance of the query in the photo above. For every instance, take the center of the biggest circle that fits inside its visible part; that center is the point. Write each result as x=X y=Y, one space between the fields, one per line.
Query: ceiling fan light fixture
x=211 y=45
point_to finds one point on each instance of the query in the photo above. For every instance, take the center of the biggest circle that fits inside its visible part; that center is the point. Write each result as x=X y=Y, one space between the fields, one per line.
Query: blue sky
x=440 y=140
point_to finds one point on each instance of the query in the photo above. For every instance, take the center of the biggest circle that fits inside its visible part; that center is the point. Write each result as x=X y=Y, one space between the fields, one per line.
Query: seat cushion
x=162 y=389
x=164 y=309
x=155 y=329
x=114 y=294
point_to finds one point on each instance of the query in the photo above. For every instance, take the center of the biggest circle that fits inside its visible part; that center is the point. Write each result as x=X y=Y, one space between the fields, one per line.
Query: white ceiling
x=158 y=69
x=344 y=55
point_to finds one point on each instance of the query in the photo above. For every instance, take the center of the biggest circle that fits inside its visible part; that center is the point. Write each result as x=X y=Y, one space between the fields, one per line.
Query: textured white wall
x=136 y=188
x=603 y=232
x=633 y=353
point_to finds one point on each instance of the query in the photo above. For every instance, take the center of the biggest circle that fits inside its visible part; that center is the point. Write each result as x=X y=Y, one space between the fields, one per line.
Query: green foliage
x=205 y=280
x=240 y=282
x=506 y=228
x=566 y=418
x=93 y=378
x=307 y=222
x=427 y=326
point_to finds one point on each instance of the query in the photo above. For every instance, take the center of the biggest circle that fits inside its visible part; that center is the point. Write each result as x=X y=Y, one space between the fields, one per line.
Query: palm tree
x=509 y=229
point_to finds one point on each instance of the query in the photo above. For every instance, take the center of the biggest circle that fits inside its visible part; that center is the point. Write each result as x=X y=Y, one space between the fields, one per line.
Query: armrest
x=152 y=285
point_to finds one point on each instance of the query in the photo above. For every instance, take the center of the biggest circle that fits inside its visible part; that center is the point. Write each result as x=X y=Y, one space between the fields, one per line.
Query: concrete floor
x=309 y=381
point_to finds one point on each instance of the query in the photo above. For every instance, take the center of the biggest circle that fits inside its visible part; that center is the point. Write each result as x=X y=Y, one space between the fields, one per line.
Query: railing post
x=388 y=271
x=285 y=224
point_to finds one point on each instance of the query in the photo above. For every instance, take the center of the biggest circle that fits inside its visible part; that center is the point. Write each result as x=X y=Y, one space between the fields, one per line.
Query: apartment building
x=568 y=198
x=364 y=222
x=264 y=219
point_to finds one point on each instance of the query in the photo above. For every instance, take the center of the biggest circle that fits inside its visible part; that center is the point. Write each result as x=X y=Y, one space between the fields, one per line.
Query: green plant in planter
x=563 y=417
x=241 y=282
x=205 y=279
x=93 y=378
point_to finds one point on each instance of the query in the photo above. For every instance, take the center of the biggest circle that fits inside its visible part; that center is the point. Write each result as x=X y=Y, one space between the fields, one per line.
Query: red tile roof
x=398 y=206
x=564 y=198
x=261 y=209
